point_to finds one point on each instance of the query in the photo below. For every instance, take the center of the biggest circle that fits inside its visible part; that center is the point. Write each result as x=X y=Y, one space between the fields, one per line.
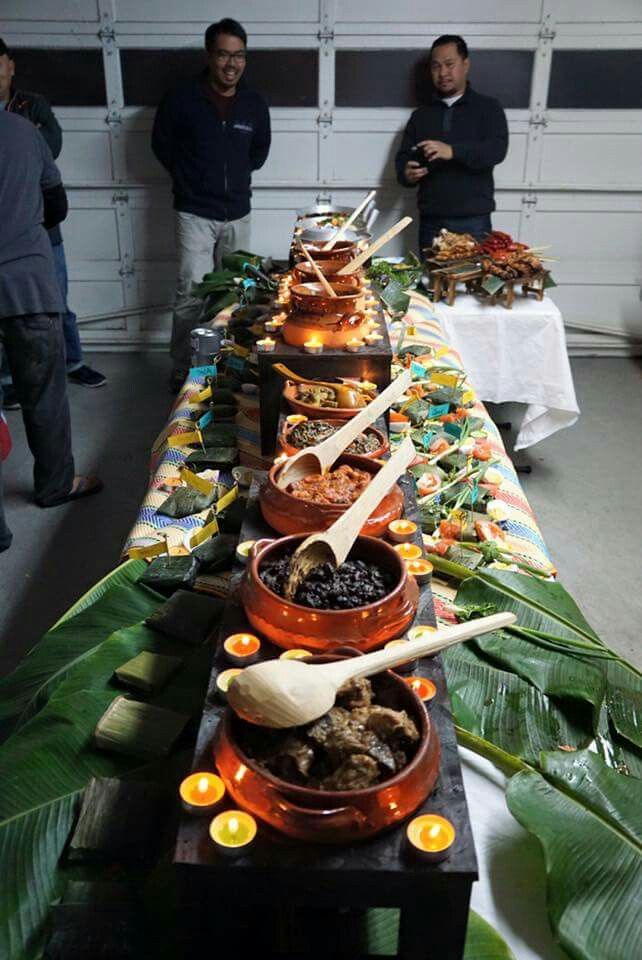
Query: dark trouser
x=429 y=227
x=34 y=346
x=73 y=349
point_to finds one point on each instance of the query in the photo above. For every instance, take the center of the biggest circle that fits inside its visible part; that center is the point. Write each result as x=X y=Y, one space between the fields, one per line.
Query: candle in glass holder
x=201 y=793
x=295 y=653
x=421 y=570
x=430 y=837
x=401 y=531
x=424 y=688
x=409 y=551
x=272 y=326
x=224 y=679
x=233 y=832
x=354 y=345
x=244 y=550
x=266 y=345
x=242 y=648
x=372 y=339
x=313 y=346
x=407 y=667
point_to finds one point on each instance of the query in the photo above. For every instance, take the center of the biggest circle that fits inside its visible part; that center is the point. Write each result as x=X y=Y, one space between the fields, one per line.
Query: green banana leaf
x=123 y=575
x=509 y=712
x=482 y=941
x=24 y=691
x=588 y=819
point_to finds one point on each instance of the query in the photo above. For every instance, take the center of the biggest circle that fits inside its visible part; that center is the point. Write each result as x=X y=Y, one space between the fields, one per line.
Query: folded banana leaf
x=185 y=501
x=224 y=411
x=220 y=435
x=223 y=395
x=189 y=617
x=417 y=411
x=167 y=574
x=147 y=671
x=230 y=520
x=138 y=729
x=216 y=554
x=213 y=458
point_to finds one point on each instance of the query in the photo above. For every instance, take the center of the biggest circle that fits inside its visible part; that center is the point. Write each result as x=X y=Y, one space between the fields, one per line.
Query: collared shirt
x=450 y=100
x=28 y=281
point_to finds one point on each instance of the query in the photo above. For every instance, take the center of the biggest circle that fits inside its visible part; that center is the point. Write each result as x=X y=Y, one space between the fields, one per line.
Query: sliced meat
x=356 y=772
x=392 y=726
x=355 y=693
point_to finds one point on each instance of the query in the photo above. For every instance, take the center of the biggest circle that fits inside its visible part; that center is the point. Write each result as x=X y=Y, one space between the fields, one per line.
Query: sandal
x=82 y=487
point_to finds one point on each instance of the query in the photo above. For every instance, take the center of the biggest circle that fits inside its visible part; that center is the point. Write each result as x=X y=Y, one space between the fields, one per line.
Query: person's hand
x=413 y=171
x=436 y=150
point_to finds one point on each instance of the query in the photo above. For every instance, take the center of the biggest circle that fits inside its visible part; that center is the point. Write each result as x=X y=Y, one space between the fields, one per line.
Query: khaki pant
x=200 y=245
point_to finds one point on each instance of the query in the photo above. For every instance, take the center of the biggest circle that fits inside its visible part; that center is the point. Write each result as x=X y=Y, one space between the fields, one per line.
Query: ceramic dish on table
x=304 y=272
x=343 y=250
x=289 y=448
x=291 y=393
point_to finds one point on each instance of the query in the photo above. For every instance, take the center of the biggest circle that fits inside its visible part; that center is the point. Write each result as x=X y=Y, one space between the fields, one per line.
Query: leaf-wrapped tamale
x=167 y=574
x=147 y=671
x=189 y=617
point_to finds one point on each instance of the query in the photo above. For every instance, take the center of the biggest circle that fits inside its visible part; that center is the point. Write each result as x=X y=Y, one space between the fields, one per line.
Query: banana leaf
x=588 y=819
x=482 y=941
x=24 y=691
x=124 y=575
x=509 y=712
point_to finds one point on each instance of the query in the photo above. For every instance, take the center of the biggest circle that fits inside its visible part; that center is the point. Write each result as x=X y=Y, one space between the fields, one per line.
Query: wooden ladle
x=361 y=258
x=350 y=396
x=289 y=693
x=320 y=458
x=334 y=544
x=320 y=276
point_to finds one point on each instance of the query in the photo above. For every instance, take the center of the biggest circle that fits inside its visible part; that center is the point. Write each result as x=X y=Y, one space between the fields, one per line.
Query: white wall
x=572 y=178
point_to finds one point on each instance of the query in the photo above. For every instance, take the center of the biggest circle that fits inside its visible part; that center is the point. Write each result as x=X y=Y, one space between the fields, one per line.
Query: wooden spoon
x=288 y=374
x=334 y=544
x=348 y=223
x=324 y=283
x=383 y=239
x=349 y=396
x=320 y=458
x=289 y=693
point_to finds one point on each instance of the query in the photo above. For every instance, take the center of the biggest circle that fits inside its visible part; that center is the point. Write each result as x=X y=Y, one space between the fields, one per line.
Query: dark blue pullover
x=210 y=160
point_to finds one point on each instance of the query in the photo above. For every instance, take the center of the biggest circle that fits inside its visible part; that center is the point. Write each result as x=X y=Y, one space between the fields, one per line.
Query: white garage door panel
x=90 y=297
x=91 y=235
x=592 y=158
x=579 y=11
x=79 y=10
x=513 y=168
x=433 y=11
x=506 y=220
x=365 y=157
x=590 y=235
x=271 y=232
x=293 y=159
x=614 y=309
x=140 y=162
x=204 y=11
x=85 y=157
x=153 y=232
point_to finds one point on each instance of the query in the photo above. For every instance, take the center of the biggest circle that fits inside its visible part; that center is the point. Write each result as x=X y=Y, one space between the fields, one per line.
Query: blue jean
x=429 y=227
x=73 y=349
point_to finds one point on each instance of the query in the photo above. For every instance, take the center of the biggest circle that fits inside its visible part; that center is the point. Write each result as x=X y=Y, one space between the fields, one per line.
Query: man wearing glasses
x=210 y=133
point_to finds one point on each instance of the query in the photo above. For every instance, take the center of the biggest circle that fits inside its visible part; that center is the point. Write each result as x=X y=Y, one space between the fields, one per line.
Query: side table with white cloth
x=518 y=356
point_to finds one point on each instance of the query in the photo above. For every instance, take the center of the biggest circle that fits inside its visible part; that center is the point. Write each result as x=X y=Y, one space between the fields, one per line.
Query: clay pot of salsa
x=340 y=816
x=289 y=624
x=289 y=448
x=288 y=514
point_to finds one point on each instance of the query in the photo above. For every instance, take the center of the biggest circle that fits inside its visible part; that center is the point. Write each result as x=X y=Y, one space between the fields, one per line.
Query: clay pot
x=304 y=273
x=342 y=816
x=334 y=330
x=290 y=393
x=312 y=298
x=343 y=251
x=288 y=515
x=291 y=625
x=289 y=449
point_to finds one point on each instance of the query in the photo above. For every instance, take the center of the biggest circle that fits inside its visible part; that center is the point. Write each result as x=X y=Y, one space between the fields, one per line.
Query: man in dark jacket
x=210 y=133
x=450 y=146
x=36 y=109
x=32 y=198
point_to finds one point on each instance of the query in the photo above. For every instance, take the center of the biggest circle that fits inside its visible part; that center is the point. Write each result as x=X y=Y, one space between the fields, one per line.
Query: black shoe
x=87 y=377
x=176 y=381
x=10 y=398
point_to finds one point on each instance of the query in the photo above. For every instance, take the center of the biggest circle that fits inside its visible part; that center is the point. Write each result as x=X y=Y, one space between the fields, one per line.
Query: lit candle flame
x=202 y=785
x=233 y=825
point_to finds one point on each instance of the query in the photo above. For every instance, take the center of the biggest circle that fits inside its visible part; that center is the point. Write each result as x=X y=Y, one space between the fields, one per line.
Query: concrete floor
x=583 y=489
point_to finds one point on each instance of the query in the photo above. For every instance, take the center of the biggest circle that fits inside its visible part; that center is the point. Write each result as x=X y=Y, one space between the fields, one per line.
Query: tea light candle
x=295 y=418
x=272 y=326
x=242 y=648
x=401 y=531
x=421 y=570
x=493 y=476
x=266 y=346
x=407 y=667
x=224 y=680
x=313 y=346
x=496 y=510
x=409 y=551
x=430 y=837
x=233 y=832
x=354 y=345
x=243 y=550
x=421 y=633
x=373 y=338
x=423 y=687
x=295 y=654
x=201 y=792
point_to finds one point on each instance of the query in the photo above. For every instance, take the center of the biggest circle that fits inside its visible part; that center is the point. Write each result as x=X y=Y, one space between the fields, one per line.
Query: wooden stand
x=506 y=296
x=444 y=277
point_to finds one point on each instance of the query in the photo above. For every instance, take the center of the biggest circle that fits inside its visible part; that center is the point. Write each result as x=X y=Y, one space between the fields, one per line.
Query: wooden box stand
x=370 y=363
x=293 y=898
x=506 y=295
x=444 y=278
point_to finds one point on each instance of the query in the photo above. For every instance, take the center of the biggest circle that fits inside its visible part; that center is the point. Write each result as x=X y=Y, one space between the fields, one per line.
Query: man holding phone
x=450 y=146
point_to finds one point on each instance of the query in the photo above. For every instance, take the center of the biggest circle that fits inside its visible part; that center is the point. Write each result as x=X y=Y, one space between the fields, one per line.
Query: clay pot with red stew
x=288 y=514
x=285 y=440
x=340 y=816
x=304 y=273
x=344 y=251
x=289 y=624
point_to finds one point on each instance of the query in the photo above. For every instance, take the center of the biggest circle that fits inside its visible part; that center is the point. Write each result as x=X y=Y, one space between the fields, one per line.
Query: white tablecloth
x=516 y=355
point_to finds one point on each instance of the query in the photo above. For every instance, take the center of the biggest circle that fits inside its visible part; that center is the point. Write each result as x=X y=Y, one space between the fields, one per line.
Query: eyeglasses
x=222 y=56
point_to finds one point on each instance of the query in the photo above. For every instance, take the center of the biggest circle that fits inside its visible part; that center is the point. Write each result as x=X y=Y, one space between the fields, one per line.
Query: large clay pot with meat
x=332 y=816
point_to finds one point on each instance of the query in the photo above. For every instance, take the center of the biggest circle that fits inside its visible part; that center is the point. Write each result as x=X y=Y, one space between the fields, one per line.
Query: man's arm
x=405 y=153
x=261 y=138
x=53 y=192
x=163 y=138
x=491 y=150
x=45 y=119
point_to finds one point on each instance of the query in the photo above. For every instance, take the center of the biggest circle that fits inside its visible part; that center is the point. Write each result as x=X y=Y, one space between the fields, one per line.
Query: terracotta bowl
x=343 y=251
x=304 y=273
x=290 y=393
x=292 y=625
x=312 y=298
x=289 y=449
x=341 y=816
x=334 y=330
x=288 y=515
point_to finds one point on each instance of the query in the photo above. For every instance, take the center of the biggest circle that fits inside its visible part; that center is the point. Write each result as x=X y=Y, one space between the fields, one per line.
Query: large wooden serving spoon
x=320 y=276
x=289 y=693
x=348 y=223
x=334 y=544
x=320 y=458
x=373 y=247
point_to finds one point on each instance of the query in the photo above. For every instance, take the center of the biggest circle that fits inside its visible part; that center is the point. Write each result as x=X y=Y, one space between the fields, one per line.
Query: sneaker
x=87 y=377
x=10 y=398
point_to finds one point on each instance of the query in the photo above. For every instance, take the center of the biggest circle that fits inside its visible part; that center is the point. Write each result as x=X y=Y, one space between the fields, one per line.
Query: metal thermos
x=205 y=344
